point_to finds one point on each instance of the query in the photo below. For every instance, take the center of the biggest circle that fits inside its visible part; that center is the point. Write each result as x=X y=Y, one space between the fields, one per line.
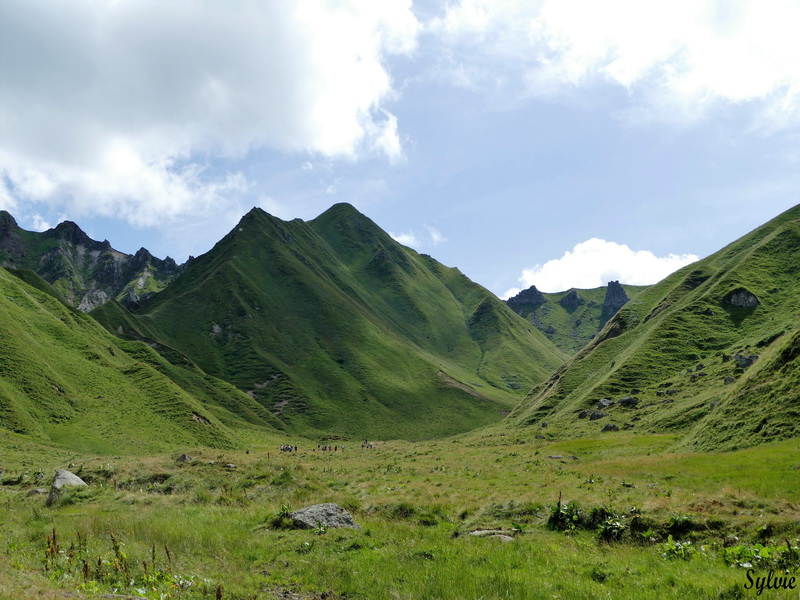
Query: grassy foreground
x=632 y=522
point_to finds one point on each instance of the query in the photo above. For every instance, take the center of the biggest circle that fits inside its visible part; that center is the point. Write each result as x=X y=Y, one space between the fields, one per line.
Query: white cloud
x=595 y=262
x=40 y=224
x=676 y=59
x=407 y=239
x=118 y=108
x=431 y=237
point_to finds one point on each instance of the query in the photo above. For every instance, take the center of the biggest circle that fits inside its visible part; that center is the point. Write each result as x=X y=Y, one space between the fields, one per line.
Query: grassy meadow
x=632 y=521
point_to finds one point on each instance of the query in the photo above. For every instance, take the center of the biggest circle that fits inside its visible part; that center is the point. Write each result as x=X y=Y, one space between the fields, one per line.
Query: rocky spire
x=571 y=300
x=614 y=300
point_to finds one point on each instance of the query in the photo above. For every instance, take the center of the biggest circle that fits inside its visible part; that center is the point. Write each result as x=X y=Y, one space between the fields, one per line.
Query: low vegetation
x=585 y=518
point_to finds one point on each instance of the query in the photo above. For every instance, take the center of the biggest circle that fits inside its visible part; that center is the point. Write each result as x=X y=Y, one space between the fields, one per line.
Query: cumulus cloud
x=676 y=59
x=118 y=108
x=595 y=262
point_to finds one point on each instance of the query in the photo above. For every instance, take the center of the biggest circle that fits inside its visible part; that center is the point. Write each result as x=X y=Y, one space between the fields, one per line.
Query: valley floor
x=615 y=517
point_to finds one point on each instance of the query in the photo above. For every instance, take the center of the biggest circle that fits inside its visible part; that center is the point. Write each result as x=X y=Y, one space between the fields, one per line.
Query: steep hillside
x=710 y=352
x=65 y=380
x=335 y=327
x=87 y=273
x=572 y=318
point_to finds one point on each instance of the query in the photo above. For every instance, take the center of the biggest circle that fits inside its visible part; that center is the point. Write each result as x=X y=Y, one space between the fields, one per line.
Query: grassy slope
x=64 y=379
x=659 y=339
x=572 y=329
x=336 y=327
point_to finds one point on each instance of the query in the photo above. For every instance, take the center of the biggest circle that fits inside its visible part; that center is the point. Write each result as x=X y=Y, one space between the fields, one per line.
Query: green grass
x=672 y=346
x=416 y=504
x=334 y=327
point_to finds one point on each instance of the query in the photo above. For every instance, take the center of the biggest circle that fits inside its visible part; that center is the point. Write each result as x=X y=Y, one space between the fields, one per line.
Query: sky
x=556 y=143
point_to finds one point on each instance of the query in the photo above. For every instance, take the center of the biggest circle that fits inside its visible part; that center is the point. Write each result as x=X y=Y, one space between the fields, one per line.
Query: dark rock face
x=530 y=296
x=328 y=515
x=88 y=273
x=615 y=299
x=742 y=298
x=571 y=300
x=743 y=361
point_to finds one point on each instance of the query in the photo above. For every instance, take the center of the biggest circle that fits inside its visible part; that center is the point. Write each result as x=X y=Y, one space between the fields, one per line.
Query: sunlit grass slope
x=333 y=326
x=699 y=360
x=65 y=380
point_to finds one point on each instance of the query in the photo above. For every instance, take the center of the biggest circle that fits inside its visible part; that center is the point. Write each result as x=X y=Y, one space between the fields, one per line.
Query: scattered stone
x=185 y=458
x=544 y=424
x=328 y=515
x=486 y=532
x=604 y=403
x=230 y=466
x=661 y=393
x=583 y=414
x=672 y=392
x=629 y=401
x=729 y=379
x=609 y=427
x=550 y=330
x=556 y=456
x=596 y=415
x=708 y=312
x=712 y=405
x=539 y=437
x=743 y=361
x=503 y=538
x=37 y=492
x=61 y=479
x=700 y=367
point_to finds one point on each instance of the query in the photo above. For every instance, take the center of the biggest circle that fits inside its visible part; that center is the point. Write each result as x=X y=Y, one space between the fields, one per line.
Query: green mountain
x=571 y=319
x=65 y=380
x=710 y=352
x=333 y=326
x=87 y=273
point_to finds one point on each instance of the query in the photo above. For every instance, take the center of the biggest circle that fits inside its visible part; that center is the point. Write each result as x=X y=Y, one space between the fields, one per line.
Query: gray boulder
x=743 y=361
x=741 y=297
x=604 y=403
x=328 y=515
x=185 y=458
x=629 y=401
x=610 y=427
x=596 y=415
x=63 y=478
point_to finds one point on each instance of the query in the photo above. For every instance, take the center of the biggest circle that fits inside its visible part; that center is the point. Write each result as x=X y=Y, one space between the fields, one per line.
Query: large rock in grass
x=327 y=514
x=63 y=478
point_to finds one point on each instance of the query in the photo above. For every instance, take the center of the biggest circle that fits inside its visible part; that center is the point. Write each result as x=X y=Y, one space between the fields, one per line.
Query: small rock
x=556 y=456
x=63 y=478
x=37 y=492
x=609 y=427
x=744 y=361
x=672 y=392
x=230 y=466
x=661 y=393
x=629 y=401
x=604 y=403
x=185 y=458
x=486 y=532
x=583 y=414
x=729 y=380
x=327 y=514
x=596 y=415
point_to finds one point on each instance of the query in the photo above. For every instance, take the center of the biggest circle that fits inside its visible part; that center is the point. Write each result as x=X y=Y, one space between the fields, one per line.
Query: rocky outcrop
x=615 y=299
x=741 y=298
x=531 y=296
x=61 y=479
x=327 y=515
x=571 y=300
x=88 y=273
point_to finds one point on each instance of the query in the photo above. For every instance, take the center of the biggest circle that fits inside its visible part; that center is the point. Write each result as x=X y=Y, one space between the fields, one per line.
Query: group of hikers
x=365 y=445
